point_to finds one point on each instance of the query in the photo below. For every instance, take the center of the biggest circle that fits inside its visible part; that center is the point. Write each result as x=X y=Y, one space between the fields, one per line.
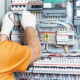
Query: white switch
x=78 y=3
x=78 y=13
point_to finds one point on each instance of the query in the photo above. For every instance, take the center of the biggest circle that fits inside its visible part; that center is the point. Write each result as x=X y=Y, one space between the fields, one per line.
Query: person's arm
x=3 y=37
x=7 y=26
x=28 y=22
x=33 y=42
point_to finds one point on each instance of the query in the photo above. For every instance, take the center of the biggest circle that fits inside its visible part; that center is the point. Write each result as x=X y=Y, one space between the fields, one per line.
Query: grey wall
x=2 y=10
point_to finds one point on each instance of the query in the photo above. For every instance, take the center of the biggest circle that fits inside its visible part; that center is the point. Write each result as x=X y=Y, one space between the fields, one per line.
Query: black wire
x=32 y=69
x=32 y=65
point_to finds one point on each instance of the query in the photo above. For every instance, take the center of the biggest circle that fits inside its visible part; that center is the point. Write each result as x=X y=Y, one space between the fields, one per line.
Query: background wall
x=2 y=10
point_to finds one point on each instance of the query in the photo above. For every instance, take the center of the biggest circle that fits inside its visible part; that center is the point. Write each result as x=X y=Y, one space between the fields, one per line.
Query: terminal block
x=47 y=37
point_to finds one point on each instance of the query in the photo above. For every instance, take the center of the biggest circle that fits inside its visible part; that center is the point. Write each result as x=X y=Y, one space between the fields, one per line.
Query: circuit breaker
x=65 y=37
x=58 y=29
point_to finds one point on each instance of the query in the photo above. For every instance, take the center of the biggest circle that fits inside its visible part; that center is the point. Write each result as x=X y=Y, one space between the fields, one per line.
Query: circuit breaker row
x=47 y=7
x=47 y=76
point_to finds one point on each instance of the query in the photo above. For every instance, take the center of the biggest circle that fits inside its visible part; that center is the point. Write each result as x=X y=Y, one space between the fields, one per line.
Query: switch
x=12 y=7
x=24 y=6
x=36 y=6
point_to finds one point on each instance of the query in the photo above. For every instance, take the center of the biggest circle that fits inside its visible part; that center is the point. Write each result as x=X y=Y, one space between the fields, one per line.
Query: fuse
x=20 y=7
x=12 y=7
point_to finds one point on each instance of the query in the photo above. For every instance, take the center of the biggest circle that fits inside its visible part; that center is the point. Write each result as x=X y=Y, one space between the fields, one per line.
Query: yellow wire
x=65 y=49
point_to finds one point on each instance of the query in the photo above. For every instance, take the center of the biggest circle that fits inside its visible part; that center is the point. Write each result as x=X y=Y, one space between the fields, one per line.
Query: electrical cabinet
x=57 y=26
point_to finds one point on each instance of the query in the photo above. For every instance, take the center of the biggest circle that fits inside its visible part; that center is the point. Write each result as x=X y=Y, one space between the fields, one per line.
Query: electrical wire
x=65 y=49
x=72 y=54
x=16 y=27
x=58 y=46
x=24 y=76
x=48 y=49
x=57 y=22
x=72 y=26
x=32 y=65
x=56 y=55
x=61 y=54
x=43 y=47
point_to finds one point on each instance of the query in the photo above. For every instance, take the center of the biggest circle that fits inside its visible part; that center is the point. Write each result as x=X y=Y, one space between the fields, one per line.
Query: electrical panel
x=58 y=29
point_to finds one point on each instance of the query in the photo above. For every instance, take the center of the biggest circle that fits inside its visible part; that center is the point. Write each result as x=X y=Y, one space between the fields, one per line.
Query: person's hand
x=7 y=24
x=28 y=20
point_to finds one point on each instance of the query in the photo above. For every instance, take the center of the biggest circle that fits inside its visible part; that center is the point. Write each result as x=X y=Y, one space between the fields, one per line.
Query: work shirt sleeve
x=19 y=56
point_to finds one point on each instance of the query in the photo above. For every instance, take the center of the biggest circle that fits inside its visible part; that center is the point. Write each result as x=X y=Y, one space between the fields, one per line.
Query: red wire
x=54 y=55
x=47 y=76
x=33 y=75
x=24 y=76
x=69 y=48
x=40 y=76
x=16 y=27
